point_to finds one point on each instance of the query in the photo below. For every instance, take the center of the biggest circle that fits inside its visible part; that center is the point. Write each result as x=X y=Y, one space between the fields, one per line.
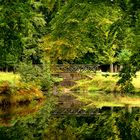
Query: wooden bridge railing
x=92 y=111
x=73 y=67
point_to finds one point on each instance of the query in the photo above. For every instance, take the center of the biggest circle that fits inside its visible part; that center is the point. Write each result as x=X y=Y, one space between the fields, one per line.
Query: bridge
x=73 y=67
x=78 y=112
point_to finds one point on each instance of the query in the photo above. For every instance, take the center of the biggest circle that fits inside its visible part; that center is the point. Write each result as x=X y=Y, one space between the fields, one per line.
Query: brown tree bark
x=111 y=68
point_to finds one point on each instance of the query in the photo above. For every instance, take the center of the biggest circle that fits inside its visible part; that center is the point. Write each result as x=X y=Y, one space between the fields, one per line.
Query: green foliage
x=20 y=25
x=28 y=72
x=129 y=56
x=85 y=30
x=124 y=56
x=70 y=31
x=126 y=126
x=38 y=74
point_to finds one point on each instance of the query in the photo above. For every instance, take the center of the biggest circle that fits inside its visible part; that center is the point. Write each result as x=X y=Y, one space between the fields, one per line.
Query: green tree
x=20 y=28
x=132 y=65
x=80 y=27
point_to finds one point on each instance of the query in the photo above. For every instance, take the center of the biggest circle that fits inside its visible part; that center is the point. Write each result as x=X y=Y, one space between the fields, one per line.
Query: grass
x=102 y=81
x=100 y=90
x=98 y=82
x=9 y=76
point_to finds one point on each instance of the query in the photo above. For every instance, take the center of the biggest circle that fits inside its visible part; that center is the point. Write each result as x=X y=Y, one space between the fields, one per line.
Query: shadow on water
x=9 y=112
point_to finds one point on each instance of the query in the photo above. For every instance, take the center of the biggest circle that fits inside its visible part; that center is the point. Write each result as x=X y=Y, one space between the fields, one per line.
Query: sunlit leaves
x=85 y=27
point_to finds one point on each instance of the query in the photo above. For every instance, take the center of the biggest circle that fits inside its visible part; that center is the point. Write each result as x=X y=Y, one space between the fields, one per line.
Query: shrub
x=38 y=74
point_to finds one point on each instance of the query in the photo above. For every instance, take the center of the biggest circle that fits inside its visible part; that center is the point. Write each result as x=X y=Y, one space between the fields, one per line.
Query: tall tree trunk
x=111 y=68
x=121 y=66
x=6 y=69
x=115 y=68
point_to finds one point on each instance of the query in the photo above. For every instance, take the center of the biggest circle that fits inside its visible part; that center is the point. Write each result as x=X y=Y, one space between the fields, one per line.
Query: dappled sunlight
x=136 y=81
x=9 y=76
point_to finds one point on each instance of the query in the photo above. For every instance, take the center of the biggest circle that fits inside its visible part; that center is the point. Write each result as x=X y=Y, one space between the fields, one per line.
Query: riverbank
x=100 y=89
x=13 y=91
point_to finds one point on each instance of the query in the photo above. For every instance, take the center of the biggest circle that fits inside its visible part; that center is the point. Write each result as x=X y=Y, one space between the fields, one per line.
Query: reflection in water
x=11 y=112
x=108 y=124
x=5 y=115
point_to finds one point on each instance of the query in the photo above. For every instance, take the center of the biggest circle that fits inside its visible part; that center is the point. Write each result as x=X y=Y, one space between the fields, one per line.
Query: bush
x=38 y=74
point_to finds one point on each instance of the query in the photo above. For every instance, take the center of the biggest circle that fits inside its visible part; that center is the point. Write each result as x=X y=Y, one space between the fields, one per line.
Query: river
x=54 y=119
